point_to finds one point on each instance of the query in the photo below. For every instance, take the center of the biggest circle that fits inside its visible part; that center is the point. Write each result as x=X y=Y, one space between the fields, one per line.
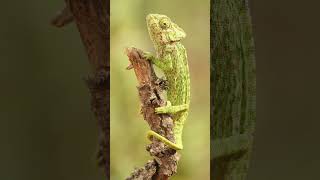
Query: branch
x=92 y=20
x=63 y=18
x=151 y=96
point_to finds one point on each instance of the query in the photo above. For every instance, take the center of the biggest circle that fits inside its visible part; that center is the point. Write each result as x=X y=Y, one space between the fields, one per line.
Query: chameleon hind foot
x=164 y=109
x=171 y=109
x=164 y=140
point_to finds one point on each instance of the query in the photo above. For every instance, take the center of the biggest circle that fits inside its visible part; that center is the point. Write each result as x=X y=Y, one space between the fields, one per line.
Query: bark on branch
x=233 y=84
x=92 y=20
x=150 y=90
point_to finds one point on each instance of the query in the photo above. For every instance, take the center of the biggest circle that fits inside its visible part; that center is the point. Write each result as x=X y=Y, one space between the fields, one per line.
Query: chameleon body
x=171 y=58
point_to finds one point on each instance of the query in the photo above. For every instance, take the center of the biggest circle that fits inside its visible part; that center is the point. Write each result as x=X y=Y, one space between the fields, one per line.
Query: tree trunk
x=233 y=87
x=92 y=20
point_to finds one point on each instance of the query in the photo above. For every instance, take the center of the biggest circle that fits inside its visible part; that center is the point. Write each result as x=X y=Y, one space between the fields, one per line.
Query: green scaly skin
x=171 y=58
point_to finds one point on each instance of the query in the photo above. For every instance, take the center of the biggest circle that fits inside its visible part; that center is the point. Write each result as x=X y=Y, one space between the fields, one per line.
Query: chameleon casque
x=171 y=58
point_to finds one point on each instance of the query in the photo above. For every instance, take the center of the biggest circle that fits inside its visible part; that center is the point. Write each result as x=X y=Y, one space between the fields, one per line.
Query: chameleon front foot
x=147 y=56
x=164 y=140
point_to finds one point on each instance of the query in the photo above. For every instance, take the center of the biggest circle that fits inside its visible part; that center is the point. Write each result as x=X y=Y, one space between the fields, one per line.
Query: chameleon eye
x=164 y=23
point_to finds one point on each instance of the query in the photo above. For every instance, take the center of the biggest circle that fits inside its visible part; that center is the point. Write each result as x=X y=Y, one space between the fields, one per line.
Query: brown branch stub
x=151 y=96
x=92 y=19
x=63 y=18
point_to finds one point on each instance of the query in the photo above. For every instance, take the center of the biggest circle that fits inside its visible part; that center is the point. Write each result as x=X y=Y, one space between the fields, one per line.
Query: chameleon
x=171 y=58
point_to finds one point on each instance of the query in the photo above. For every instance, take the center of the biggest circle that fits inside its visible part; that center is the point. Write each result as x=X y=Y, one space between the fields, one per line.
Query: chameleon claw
x=160 y=110
x=147 y=55
x=164 y=109
x=168 y=104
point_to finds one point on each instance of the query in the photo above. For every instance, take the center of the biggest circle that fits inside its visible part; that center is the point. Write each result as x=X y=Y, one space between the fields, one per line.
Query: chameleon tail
x=164 y=140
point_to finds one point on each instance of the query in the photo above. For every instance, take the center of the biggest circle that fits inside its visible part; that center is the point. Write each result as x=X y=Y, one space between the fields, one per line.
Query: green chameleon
x=171 y=58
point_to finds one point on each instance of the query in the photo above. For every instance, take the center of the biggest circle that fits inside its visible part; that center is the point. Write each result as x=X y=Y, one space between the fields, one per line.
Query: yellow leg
x=171 y=109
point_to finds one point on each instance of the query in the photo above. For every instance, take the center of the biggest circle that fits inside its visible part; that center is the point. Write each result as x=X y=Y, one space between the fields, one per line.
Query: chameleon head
x=162 y=30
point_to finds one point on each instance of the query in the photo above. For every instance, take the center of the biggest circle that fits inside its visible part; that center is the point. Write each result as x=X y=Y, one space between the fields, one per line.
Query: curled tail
x=164 y=140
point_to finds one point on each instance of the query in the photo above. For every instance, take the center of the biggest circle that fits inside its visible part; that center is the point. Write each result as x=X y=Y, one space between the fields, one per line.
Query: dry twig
x=151 y=96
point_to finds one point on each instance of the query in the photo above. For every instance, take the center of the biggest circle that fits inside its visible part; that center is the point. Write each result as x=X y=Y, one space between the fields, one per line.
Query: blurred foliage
x=47 y=130
x=128 y=129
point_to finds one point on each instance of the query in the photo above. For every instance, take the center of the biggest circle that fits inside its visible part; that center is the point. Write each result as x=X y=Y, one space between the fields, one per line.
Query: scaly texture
x=171 y=58
x=233 y=84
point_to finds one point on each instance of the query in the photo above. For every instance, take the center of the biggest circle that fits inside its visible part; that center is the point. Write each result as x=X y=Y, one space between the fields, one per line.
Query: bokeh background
x=286 y=144
x=128 y=129
x=47 y=131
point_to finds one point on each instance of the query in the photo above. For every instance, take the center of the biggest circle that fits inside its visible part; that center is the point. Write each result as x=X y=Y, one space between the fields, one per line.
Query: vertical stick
x=92 y=20
x=165 y=161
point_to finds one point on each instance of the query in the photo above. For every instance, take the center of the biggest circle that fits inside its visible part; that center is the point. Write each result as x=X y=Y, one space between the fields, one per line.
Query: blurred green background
x=47 y=131
x=128 y=129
